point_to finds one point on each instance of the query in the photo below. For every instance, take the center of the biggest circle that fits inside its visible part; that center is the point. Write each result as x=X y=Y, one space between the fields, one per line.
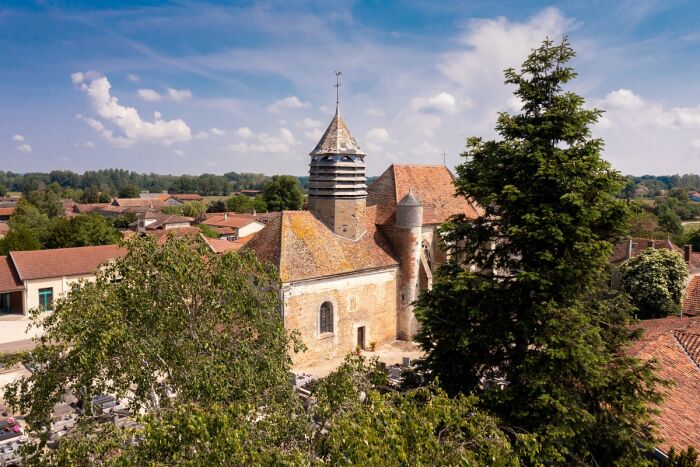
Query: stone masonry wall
x=363 y=299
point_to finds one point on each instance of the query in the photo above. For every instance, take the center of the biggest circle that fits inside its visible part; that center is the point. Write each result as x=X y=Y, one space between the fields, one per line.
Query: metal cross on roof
x=444 y=158
x=337 y=86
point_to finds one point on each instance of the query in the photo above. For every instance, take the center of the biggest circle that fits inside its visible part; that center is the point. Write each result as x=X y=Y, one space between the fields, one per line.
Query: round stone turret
x=409 y=212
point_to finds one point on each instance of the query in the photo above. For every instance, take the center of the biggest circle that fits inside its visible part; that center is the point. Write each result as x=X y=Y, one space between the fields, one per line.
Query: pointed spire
x=337 y=139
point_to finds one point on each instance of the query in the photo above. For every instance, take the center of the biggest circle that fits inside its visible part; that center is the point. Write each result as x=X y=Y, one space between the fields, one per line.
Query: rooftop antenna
x=444 y=158
x=337 y=86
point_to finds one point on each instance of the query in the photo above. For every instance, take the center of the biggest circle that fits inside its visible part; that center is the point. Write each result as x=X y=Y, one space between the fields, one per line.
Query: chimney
x=254 y=213
x=687 y=252
x=630 y=244
x=226 y=216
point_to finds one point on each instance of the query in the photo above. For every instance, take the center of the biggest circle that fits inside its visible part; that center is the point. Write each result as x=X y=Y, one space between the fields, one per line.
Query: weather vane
x=337 y=86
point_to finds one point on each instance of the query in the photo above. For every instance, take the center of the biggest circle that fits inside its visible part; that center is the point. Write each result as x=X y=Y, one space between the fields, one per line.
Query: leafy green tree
x=655 y=282
x=208 y=231
x=204 y=330
x=239 y=203
x=283 y=192
x=124 y=220
x=91 y=194
x=129 y=191
x=528 y=323
x=3 y=190
x=692 y=238
x=217 y=206
x=193 y=209
x=47 y=200
x=19 y=238
x=76 y=194
x=85 y=230
x=29 y=216
x=104 y=198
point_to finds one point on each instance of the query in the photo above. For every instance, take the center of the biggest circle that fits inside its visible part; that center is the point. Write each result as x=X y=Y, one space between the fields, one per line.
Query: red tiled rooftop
x=9 y=281
x=675 y=344
x=4 y=228
x=228 y=220
x=433 y=185
x=7 y=211
x=40 y=264
x=302 y=247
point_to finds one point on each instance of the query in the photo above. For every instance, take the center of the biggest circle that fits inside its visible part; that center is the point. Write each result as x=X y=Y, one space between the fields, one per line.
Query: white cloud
x=177 y=95
x=18 y=138
x=314 y=134
x=291 y=102
x=179 y=152
x=265 y=143
x=374 y=112
x=133 y=78
x=426 y=150
x=244 y=132
x=211 y=133
x=25 y=148
x=378 y=136
x=88 y=144
x=149 y=95
x=217 y=132
x=201 y=135
x=309 y=123
x=623 y=99
x=127 y=119
x=442 y=102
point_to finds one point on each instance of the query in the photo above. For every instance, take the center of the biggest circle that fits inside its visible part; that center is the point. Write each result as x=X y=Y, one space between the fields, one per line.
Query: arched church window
x=326 y=317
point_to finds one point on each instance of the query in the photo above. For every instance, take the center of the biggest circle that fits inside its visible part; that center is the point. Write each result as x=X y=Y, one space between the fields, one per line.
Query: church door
x=361 y=337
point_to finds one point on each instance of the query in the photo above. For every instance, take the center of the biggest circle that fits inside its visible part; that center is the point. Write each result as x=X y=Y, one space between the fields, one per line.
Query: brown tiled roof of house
x=87 y=208
x=7 y=211
x=161 y=220
x=691 y=302
x=302 y=247
x=9 y=281
x=621 y=250
x=222 y=246
x=187 y=197
x=431 y=184
x=675 y=344
x=4 y=229
x=228 y=220
x=62 y=262
x=140 y=202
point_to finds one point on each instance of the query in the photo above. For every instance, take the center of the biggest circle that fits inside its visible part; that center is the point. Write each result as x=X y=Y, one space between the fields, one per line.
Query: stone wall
x=344 y=216
x=362 y=299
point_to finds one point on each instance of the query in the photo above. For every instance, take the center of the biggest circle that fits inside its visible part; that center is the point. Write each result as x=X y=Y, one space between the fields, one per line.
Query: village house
x=352 y=265
x=31 y=279
x=632 y=247
x=160 y=221
x=232 y=226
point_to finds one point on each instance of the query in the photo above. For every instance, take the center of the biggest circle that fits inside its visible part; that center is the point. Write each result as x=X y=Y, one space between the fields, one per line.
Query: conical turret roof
x=337 y=139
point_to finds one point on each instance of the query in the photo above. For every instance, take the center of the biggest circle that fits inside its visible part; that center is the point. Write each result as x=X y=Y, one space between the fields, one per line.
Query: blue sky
x=193 y=87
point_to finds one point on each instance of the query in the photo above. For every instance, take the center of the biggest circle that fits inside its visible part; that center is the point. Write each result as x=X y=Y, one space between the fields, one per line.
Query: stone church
x=352 y=265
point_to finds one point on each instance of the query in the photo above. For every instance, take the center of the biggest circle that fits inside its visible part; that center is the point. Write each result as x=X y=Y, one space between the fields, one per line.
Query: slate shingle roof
x=431 y=184
x=337 y=139
x=675 y=343
x=302 y=247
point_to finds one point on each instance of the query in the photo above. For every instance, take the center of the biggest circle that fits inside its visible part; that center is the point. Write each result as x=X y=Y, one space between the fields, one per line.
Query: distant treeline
x=649 y=186
x=111 y=181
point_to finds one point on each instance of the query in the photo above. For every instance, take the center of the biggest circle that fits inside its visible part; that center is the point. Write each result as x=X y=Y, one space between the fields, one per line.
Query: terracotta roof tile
x=302 y=247
x=675 y=343
x=4 y=228
x=7 y=211
x=431 y=184
x=222 y=246
x=61 y=262
x=228 y=220
x=140 y=202
x=9 y=280
x=621 y=251
x=186 y=197
x=691 y=302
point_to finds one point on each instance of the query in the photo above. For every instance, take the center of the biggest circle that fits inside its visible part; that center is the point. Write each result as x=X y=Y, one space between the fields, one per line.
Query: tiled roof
x=187 y=197
x=161 y=236
x=9 y=281
x=86 y=208
x=691 y=302
x=164 y=219
x=4 y=228
x=61 y=262
x=675 y=343
x=139 y=202
x=228 y=220
x=302 y=247
x=337 y=139
x=431 y=184
x=621 y=251
x=222 y=246
x=7 y=211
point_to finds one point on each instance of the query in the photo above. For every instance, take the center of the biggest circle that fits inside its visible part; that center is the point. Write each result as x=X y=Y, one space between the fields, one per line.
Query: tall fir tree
x=522 y=315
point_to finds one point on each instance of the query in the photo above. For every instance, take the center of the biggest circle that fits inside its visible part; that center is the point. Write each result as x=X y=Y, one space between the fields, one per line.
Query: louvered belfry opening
x=337 y=182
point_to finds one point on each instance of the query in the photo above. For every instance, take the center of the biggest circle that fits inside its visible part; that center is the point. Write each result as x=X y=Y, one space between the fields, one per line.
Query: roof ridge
x=419 y=165
x=693 y=358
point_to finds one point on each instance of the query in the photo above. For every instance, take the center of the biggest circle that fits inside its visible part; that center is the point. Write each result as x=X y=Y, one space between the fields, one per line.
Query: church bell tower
x=337 y=183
